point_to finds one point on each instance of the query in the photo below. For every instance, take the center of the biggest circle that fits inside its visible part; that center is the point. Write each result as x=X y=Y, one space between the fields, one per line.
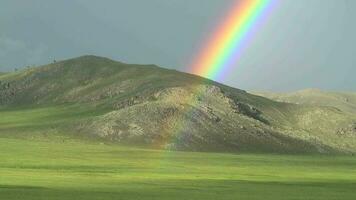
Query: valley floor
x=48 y=170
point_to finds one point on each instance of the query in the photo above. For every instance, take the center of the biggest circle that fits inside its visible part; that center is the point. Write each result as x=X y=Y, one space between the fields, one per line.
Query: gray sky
x=302 y=44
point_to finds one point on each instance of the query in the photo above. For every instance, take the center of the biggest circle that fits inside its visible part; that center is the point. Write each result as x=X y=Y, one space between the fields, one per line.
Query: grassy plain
x=38 y=162
x=36 y=170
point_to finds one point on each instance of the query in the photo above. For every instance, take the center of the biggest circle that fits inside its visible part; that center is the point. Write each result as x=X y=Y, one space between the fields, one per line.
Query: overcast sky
x=302 y=44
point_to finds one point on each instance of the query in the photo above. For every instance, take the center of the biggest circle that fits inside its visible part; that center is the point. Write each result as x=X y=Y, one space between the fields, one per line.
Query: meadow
x=45 y=170
x=38 y=161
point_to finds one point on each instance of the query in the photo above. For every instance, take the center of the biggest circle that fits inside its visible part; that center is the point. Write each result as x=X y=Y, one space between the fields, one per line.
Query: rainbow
x=218 y=55
x=223 y=49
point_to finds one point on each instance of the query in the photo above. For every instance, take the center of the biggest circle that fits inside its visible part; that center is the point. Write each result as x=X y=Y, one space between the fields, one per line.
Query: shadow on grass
x=188 y=189
x=20 y=187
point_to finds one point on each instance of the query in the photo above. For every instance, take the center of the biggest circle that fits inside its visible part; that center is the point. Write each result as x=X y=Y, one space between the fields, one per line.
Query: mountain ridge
x=346 y=101
x=161 y=108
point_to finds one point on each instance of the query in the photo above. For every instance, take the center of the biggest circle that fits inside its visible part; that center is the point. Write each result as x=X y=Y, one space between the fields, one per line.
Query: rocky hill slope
x=161 y=108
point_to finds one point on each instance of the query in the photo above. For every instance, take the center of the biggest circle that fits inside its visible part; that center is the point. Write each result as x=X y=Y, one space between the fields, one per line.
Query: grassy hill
x=2 y=73
x=80 y=128
x=98 y=99
x=345 y=101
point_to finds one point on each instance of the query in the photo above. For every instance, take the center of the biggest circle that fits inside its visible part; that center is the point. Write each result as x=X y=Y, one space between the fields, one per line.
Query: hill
x=2 y=73
x=345 y=101
x=103 y=100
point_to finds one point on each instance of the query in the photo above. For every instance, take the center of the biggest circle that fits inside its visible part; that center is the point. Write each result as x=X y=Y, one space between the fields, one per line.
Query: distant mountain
x=150 y=106
x=345 y=101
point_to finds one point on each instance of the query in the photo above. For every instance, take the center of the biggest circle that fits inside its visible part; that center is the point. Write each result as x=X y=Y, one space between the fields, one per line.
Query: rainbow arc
x=223 y=48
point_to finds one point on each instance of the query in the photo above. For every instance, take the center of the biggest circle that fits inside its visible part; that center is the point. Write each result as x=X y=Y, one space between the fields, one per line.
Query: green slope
x=35 y=170
x=94 y=97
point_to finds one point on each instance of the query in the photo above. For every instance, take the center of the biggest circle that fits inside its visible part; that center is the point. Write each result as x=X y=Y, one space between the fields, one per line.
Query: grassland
x=41 y=162
x=76 y=170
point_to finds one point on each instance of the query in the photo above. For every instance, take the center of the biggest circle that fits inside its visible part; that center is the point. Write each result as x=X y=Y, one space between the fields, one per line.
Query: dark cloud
x=301 y=43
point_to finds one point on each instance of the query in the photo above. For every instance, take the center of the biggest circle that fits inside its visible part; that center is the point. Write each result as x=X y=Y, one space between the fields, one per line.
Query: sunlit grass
x=77 y=170
x=54 y=164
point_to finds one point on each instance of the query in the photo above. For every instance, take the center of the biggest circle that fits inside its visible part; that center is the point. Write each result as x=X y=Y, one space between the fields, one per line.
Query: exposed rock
x=349 y=131
x=248 y=110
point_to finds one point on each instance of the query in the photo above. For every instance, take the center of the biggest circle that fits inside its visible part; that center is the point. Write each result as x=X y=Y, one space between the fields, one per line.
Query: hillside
x=103 y=100
x=345 y=101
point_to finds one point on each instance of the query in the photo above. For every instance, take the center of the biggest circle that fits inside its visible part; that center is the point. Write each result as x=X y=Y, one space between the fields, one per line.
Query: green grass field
x=39 y=161
x=77 y=170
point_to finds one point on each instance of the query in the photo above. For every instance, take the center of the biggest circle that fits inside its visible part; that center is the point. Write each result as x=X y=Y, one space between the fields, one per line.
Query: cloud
x=17 y=53
x=8 y=45
x=37 y=54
